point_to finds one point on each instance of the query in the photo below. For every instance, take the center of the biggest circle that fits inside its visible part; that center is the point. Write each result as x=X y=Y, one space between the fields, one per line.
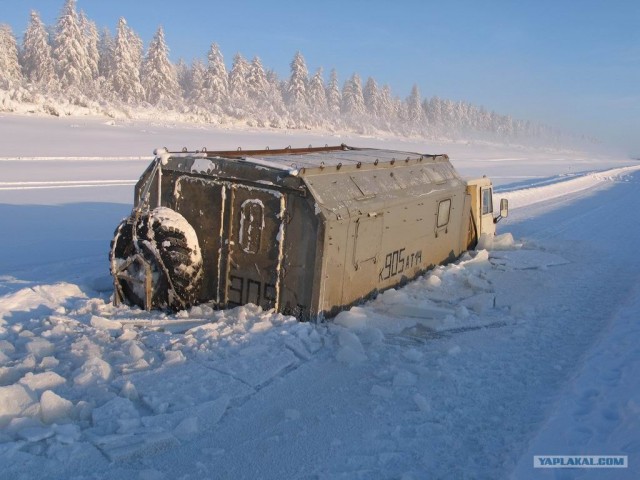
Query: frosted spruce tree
x=92 y=39
x=318 y=98
x=278 y=114
x=256 y=80
x=435 y=116
x=297 y=86
x=353 y=101
x=449 y=117
x=183 y=76
x=10 y=73
x=37 y=59
x=216 y=81
x=257 y=90
x=70 y=50
x=387 y=114
x=372 y=98
x=196 y=87
x=124 y=78
x=415 y=114
x=159 y=78
x=106 y=48
x=334 y=97
x=464 y=114
x=238 y=85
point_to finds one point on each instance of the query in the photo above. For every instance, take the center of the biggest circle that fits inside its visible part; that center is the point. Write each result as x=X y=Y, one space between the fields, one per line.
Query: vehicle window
x=444 y=207
x=487 y=201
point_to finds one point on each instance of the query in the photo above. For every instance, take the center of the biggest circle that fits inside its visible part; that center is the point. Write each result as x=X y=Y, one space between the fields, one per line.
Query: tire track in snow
x=528 y=196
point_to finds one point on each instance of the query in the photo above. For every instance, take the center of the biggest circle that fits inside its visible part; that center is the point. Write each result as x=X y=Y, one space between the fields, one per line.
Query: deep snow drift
x=523 y=347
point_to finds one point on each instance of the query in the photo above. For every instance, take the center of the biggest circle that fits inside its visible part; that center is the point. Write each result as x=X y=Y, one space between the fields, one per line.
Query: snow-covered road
x=526 y=348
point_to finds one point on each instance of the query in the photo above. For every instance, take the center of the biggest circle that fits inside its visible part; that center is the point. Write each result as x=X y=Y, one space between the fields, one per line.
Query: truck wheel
x=166 y=245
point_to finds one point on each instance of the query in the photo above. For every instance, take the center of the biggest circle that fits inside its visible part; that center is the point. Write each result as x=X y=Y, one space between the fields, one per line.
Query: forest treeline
x=75 y=63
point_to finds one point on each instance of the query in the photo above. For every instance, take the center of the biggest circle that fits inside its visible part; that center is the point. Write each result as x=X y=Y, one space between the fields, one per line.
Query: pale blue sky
x=572 y=64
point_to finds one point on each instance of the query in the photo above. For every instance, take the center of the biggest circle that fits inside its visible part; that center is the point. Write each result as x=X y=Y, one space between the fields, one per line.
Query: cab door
x=487 y=225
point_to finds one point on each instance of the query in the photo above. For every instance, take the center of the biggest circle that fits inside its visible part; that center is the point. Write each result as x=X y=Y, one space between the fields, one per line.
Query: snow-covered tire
x=164 y=240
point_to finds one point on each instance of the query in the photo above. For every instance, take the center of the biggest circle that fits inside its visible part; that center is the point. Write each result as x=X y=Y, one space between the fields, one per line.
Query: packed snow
x=524 y=346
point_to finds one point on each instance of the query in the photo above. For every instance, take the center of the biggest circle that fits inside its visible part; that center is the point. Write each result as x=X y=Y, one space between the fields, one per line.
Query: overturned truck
x=307 y=232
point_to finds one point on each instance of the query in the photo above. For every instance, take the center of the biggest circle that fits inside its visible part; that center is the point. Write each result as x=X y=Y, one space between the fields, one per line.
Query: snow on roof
x=291 y=160
x=331 y=158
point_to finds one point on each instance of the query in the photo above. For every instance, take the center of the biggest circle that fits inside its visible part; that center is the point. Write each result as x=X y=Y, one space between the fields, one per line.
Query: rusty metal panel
x=255 y=238
x=202 y=203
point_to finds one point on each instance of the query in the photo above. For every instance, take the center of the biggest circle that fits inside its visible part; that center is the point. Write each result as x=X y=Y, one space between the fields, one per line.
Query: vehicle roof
x=297 y=160
x=343 y=180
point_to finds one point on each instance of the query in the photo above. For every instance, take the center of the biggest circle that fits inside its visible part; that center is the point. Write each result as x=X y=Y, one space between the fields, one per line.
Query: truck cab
x=483 y=221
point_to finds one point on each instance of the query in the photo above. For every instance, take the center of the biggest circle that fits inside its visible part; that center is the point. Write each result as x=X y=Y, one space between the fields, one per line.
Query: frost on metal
x=251 y=225
x=306 y=232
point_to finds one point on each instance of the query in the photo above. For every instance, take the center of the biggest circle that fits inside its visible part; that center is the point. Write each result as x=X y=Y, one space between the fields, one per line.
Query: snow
x=525 y=346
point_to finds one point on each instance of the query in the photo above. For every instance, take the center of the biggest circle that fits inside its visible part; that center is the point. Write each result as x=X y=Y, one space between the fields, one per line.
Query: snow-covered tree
x=353 y=98
x=159 y=78
x=238 y=81
x=435 y=117
x=386 y=107
x=415 y=114
x=317 y=95
x=297 y=86
x=277 y=111
x=106 y=47
x=183 y=75
x=372 y=98
x=10 y=73
x=216 y=79
x=70 y=51
x=449 y=116
x=92 y=39
x=463 y=111
x=196 y=88
x=125 y=76
x=334 y=98
x=37 y=60
x=256 y=82
x=137 y=47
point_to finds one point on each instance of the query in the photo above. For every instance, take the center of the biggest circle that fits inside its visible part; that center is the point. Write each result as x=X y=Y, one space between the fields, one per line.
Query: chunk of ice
x=94 y=370
x=54 y=408
x=42 y=381
x=14 y=400
x=40 y=347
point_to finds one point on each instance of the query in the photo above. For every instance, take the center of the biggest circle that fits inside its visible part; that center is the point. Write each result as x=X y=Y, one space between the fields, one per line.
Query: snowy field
x=527 y=347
